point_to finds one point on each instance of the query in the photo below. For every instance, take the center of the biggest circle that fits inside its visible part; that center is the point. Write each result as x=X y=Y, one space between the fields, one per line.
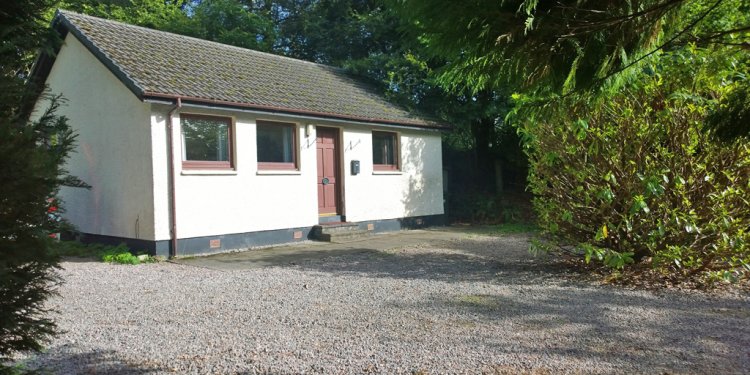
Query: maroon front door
x=328 y=171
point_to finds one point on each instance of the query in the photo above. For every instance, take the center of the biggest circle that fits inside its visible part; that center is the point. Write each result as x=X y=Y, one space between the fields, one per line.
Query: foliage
x=490 y=208
x=503 y=229
x=731 y=118
x=121 y=254
x=32 y=154
x=225 y=21
x=24 y=30
x=639 y=176
x=121 y=258
x=333 y=32
x=156 y=14
x=515 y=228
x=110 y=254
x=473 y=208
x=77 y=249
x=232 y=22
x=559 y=46
x=31 y=170
x=633 y=114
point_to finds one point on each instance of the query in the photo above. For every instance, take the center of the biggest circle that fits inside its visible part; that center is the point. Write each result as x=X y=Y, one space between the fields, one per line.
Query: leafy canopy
x=545 y=46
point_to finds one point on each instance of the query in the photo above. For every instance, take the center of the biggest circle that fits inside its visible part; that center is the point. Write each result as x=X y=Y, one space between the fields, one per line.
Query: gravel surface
x=470 y=305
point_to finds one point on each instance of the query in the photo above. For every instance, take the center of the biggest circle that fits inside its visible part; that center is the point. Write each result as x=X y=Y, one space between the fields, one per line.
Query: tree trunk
x=483 y=133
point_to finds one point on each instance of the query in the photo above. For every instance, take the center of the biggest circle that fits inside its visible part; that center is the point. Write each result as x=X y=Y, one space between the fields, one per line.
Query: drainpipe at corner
x=171 y=181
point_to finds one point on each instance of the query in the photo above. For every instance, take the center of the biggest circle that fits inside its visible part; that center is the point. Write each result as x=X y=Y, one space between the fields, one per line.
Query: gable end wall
x=113 y=150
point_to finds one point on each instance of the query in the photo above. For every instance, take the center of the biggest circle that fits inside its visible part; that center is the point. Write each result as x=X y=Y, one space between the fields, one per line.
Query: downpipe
x=171 y=181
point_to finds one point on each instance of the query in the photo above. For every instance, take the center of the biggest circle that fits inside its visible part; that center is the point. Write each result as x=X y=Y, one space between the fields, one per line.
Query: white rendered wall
x=249 y=200
x=113 y=152
x=244 y=200
x=416 y=190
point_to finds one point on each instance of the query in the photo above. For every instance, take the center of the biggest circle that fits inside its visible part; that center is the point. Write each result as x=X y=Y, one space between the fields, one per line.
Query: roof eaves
x=99 y=54
x=281 y=110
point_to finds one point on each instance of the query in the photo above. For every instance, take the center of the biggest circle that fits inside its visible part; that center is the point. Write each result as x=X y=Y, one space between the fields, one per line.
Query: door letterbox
x=355 y=167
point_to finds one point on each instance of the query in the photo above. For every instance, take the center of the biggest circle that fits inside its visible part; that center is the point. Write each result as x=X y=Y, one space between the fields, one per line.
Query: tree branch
x=665 y=44
x=607 y=22
x=727 y=32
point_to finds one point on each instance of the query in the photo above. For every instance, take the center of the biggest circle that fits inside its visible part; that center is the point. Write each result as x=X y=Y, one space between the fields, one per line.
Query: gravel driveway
x=472 y=304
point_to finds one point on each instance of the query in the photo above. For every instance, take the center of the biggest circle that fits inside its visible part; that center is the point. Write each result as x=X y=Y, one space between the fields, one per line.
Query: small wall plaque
x=214 y=244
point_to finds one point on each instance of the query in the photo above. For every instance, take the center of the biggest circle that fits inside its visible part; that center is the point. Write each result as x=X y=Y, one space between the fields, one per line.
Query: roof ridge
x=64 y=12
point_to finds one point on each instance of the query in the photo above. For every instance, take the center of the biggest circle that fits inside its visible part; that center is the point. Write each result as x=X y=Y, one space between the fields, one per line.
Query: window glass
x=206 y=139
x=276 y=144
x=384 y=152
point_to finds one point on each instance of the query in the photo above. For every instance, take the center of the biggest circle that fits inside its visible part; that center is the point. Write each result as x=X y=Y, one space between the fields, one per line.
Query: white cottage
x=192 y=146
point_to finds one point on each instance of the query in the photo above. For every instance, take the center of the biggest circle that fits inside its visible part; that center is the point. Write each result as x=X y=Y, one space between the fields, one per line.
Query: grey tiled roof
x=159 y=64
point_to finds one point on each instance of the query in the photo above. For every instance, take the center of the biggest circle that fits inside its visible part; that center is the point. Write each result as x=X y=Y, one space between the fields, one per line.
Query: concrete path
x=301 y=253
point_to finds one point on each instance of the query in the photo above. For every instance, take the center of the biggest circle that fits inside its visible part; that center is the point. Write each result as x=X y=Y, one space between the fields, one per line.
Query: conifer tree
x=32 y=156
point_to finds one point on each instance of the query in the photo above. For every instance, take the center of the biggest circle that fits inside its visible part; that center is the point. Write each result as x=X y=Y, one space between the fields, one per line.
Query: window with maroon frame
x=385 y=151
x=206 y=142
x=277 y=145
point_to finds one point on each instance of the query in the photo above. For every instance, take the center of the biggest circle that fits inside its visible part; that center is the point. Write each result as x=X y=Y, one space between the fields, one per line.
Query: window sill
x=208 y=172
x=387 y=172
x=278 y=172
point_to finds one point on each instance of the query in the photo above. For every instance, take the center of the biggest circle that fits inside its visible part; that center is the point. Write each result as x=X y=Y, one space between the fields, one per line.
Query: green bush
x=120 y=254
x=121 y=258
x=638 y=176
x=486 y=208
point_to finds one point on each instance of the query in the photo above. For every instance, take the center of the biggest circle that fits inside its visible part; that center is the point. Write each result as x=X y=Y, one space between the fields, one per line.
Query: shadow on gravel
x=65 y=361
x=373 y=263
x=457 y=262
x=679 y=333
x=674 y=331
x=260 y=258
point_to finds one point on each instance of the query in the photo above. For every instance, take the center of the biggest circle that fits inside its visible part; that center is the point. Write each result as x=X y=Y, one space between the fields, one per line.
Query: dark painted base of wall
x=414 y=222
x=135 y=244
x=227 y=242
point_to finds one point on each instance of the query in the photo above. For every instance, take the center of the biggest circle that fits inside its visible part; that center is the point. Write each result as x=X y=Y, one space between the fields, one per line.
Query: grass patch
x=511 y=228
x=502 y=229
x=119 y=254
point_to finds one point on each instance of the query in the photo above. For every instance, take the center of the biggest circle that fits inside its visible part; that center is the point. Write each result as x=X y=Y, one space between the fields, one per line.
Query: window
x=206 y=142
x=277 y=145
x=385 y=151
